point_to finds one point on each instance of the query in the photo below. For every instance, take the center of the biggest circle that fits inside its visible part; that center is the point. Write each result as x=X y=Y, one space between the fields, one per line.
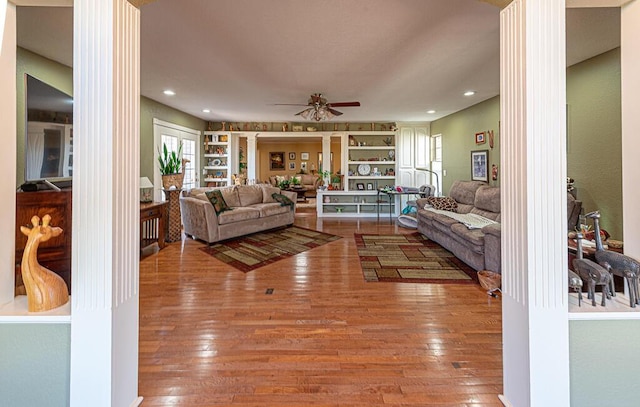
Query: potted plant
x=324 y=177
x=171 y=167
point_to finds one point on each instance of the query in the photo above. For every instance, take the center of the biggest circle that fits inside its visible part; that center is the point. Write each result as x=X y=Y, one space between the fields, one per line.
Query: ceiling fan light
x=308 y=113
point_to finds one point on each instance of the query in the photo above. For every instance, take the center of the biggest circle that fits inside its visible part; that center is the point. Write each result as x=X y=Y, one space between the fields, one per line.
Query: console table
x=153 y=225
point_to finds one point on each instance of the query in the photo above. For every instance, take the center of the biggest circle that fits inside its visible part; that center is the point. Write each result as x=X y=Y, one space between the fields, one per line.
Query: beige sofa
x=253 y=210
x=309 y=181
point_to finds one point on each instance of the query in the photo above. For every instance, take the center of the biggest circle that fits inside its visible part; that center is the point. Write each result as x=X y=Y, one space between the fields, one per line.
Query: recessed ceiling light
x=206 y=111
x=470 y=93
x=431 y=111
x=169 y=92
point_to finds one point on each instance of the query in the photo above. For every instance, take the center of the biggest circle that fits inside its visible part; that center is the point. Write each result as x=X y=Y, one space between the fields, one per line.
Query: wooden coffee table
x=300 y=191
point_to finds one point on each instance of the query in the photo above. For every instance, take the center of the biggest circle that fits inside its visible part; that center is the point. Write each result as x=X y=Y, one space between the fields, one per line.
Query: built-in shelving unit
x=370 y=161
x=216 y=171
x=350 y=204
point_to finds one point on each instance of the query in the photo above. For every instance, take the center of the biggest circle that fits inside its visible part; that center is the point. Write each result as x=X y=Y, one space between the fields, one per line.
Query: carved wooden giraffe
x=45 y=289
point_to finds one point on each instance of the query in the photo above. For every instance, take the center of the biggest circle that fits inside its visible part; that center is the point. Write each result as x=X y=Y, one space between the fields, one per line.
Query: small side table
x=174 y=234
x=153 y=225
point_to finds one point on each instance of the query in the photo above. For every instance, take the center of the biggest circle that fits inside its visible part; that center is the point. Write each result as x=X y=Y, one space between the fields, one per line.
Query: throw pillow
x=443 y=203
x=267 y=192
x=216 y=199
x=283 y=199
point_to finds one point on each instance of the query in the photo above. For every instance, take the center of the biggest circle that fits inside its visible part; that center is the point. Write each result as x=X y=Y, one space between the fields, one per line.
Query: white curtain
x=35 y=154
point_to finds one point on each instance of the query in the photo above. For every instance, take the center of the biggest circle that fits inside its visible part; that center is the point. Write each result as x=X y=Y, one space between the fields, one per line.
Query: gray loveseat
x=479 y=248
x=253 y=210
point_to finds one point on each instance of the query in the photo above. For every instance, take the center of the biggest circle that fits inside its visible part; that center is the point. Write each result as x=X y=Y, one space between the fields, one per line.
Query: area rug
x=410 y=258
x=250 y=252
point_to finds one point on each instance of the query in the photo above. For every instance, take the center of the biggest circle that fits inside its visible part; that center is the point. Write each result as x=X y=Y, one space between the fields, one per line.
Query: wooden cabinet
x=54 y=254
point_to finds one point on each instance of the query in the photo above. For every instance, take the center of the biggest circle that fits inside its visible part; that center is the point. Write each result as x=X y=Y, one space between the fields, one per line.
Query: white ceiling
x=398 y=58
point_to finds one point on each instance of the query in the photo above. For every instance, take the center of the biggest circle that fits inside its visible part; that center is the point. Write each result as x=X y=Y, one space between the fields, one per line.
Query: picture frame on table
x=276 y=160
x=292 y=156
x=480 y=138
x=360 y=186
x=480 y=165
x=369 y=186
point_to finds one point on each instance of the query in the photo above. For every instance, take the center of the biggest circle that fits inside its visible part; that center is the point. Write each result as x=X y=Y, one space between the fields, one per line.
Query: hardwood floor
x=211 y=336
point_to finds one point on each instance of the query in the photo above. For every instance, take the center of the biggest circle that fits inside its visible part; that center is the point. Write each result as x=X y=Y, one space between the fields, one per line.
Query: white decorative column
x=8 y=140
x=534 y=246
x=252 y=148
x=326 y=156
x=630 y=71
x=105 y=262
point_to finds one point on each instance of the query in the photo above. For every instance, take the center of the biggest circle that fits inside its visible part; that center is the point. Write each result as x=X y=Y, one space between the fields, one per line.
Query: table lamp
x=146 y=190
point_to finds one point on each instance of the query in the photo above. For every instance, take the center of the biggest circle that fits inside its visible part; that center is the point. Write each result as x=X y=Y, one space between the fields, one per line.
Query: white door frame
x=158 y=126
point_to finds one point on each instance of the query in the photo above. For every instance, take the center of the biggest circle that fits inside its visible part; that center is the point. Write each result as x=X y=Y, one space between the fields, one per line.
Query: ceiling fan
x=319 y=109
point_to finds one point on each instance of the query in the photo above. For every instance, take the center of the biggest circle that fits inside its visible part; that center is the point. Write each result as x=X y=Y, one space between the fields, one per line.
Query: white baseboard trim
x=136 y=402
x=504 y=400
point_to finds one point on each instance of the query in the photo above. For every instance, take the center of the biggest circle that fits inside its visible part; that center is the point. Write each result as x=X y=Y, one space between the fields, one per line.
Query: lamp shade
x=146 y=190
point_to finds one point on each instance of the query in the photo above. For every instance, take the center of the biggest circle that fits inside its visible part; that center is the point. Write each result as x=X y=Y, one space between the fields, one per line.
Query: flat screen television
x=48 y=134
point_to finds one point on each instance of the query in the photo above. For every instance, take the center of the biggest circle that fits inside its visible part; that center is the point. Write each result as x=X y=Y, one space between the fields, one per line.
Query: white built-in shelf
x=615 y=309
x=374 y=177
x=372 y=162
x=16 y=312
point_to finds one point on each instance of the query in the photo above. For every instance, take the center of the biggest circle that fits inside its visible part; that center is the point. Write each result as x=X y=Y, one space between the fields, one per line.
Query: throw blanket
x=470 y=220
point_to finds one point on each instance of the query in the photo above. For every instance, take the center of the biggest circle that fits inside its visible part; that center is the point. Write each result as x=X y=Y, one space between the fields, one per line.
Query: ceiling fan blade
x=344 y=104
x=299 y=113
x=289 y=104
x=334 y=112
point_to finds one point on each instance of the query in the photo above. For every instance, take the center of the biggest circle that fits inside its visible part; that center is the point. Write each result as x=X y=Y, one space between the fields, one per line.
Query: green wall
x=594 y=138
x=61 y=77
x=48 y=71
x=458 y=140
x=594 y=150
x=35 y=364
x=604 y=359
x=150 y=109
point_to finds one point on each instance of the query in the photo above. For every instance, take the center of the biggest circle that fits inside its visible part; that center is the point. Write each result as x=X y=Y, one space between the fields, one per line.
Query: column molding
x=533 y=199
x=105 y=255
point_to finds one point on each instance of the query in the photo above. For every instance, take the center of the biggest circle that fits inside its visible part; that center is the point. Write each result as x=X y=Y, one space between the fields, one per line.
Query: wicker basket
x=173 y=180
x=489 y=280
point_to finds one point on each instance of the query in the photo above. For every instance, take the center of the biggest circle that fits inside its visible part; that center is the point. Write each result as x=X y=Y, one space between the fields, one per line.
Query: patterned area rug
x=250 y=252
x=410 y=258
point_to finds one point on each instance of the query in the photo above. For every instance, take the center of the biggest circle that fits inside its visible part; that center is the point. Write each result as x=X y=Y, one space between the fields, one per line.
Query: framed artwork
x=276 y=161
x=480 y=165
x=292 y=156
x=304 y=156
x=303 y=166
x=360 y=186
x=369 y=186
x=480 y=138
x=292 y=165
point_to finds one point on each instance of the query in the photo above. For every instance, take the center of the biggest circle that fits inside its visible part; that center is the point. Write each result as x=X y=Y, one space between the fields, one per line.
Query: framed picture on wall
x=292 y=156
x=292 y=165
x=276 y=161
x=304 y=156
x=480 y=165
x=480 y=138
x=303 y=166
